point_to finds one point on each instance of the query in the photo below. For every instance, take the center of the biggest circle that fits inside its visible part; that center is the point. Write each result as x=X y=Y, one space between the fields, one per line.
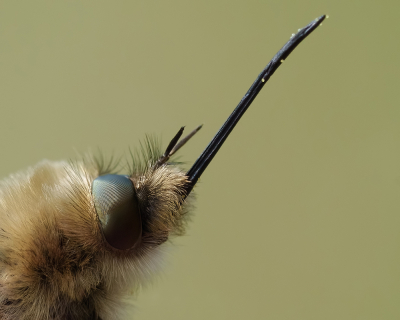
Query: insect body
x=76 y=238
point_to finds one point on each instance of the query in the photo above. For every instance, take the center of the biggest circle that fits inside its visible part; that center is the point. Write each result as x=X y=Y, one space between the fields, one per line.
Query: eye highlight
x=117 y=207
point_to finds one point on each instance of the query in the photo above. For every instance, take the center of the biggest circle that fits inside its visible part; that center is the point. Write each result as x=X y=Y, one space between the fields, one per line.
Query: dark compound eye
x=116 y=205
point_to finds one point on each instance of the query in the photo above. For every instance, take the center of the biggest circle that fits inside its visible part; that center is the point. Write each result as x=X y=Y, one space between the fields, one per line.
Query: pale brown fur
x=54 y=260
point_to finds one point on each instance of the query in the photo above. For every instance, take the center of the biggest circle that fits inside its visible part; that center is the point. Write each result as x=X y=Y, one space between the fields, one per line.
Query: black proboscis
x=208 y=154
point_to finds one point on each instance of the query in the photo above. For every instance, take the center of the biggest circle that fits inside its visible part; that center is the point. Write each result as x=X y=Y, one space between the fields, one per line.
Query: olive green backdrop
x=298 y=217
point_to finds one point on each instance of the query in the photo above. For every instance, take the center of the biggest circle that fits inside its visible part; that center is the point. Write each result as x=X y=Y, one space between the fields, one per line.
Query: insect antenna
x=174 y=145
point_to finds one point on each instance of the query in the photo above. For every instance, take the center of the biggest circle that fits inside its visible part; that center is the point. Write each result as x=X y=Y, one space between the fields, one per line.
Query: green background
x=298 y=216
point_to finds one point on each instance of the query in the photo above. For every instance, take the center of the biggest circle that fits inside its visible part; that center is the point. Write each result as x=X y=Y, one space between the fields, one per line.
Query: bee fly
x=76 y=239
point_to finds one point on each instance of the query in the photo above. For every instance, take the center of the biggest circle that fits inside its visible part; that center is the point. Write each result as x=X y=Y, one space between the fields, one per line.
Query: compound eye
x=117 y=207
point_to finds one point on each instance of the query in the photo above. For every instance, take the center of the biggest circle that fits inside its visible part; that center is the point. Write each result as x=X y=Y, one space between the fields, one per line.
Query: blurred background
x=298 y=216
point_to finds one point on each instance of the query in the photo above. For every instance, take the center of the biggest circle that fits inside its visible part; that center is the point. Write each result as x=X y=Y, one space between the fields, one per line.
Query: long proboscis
x=208 y=154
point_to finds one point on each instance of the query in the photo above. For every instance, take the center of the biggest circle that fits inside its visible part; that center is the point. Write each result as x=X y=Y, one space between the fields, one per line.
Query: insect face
x=76 y=238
